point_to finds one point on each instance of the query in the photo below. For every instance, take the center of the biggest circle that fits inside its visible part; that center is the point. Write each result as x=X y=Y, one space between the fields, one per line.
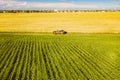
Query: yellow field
x=71 y=22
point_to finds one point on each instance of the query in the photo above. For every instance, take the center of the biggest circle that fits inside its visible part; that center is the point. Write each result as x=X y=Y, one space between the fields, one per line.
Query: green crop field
x=59 y=57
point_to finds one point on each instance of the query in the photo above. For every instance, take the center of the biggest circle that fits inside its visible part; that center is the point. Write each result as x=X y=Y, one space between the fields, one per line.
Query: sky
x=58 y=4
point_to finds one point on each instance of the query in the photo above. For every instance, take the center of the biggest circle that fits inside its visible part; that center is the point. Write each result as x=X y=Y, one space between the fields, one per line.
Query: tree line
x=54 y=11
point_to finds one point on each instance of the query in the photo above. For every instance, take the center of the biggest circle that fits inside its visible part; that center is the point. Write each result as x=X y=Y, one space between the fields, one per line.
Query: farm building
x=59 y=32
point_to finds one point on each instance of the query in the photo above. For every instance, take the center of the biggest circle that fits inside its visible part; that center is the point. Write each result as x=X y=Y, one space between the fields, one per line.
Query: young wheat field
x=61 y=57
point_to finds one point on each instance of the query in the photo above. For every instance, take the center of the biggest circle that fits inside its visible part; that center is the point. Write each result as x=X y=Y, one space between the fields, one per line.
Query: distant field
x=71 y=22
x=61 y=57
